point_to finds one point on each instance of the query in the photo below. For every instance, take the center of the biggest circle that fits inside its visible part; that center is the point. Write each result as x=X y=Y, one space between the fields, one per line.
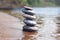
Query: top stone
x=27 y=8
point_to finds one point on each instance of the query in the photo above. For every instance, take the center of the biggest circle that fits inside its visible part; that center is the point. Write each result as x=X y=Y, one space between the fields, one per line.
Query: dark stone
x=30 y=29
x=27 y=8
x=29 y=22
x=30 y=25
x=29 y=17
x=29 y=12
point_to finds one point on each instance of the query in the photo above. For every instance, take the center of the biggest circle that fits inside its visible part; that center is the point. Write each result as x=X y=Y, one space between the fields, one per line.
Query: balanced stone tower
x=29 y=20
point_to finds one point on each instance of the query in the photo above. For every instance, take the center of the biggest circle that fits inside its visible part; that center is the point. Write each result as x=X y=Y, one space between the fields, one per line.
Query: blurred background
x=42 y=8
x=32 y=3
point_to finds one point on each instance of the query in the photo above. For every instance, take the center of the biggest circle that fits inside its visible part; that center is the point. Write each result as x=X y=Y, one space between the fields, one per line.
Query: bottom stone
x=30 y=29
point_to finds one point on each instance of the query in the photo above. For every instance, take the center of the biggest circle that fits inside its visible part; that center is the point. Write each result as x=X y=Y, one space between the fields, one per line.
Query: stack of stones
x=29 y=20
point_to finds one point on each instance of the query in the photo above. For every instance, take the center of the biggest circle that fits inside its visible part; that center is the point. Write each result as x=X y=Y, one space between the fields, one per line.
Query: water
x=46 y=11
x=49 y=26
x=46 y=32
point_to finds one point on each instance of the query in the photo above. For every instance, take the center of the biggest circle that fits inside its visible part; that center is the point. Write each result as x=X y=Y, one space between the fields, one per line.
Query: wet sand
x=11 y=29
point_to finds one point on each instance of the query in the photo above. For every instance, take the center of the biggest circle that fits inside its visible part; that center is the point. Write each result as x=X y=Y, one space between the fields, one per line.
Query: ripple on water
x=48 y=30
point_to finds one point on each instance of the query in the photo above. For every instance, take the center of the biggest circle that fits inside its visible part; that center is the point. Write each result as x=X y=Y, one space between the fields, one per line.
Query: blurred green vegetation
x=39 y=3
x=32 y=3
